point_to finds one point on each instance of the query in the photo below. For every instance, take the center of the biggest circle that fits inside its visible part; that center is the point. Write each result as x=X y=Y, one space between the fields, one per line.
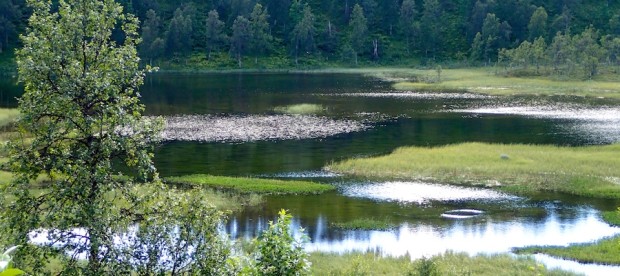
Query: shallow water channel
x=379 y=120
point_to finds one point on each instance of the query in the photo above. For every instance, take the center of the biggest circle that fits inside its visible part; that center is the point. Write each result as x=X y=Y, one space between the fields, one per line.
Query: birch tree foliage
x=81 y=114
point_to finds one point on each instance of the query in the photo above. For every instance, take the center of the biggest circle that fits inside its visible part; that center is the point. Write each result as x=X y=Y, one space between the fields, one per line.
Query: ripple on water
x=601 y=125
x=211 y=128
x=416 y=95
x=421 y=193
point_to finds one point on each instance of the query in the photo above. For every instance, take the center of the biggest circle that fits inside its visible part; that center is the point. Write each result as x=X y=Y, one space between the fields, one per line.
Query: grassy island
x=591 y=171
x=246 y=185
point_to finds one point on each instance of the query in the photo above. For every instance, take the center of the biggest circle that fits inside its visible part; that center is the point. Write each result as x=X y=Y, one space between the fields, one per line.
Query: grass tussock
x=585 y=171
x=366 y=224
x=445 y=264
x=246 y=185
x=605 y=251
x=486 y=81
x=300 y=109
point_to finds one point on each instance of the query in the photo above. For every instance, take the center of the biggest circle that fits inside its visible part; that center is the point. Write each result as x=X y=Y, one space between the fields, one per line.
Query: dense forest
x=564 y=34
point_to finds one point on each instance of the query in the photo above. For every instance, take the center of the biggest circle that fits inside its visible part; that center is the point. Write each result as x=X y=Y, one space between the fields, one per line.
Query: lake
x=378 y=120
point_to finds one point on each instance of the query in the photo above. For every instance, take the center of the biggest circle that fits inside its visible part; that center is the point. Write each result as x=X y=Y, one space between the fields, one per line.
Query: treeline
x=350 y=31
x=565 y=55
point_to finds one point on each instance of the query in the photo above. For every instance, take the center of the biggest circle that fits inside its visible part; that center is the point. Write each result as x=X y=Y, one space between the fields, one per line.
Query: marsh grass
x=486 y=81
x=246 y=185
x=301 y=109
x=584 y=171
x=366 y=224
x=8 y=116
x=605 y=251
x=612 y=217
x=445 y=264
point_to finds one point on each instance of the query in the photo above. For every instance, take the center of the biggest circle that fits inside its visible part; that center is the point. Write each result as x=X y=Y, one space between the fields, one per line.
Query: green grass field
x=251 y=185
x=586 y=171
x=445 y=264
x=486 y=81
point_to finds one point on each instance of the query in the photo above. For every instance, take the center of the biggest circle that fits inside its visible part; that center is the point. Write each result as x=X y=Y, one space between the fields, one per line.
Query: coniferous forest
x=566 y=35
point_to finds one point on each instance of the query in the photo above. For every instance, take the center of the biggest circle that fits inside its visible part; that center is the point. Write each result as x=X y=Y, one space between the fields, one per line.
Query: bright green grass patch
x=366 y=224
x=605 y=251
x=302 y=109
x=485 y=81
x=612 y=217
x=587 y=171
x=8 y=116
x=252 y=185
x=446 y=264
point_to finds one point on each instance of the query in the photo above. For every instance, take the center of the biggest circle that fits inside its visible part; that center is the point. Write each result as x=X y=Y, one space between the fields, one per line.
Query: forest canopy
x=385 y=32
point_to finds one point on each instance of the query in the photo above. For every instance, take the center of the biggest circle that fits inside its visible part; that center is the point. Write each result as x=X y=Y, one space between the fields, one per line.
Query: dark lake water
x=392 y=120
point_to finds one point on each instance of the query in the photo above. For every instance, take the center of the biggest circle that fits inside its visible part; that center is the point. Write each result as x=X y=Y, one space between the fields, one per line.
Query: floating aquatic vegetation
x=212 y=128
x=300 y=109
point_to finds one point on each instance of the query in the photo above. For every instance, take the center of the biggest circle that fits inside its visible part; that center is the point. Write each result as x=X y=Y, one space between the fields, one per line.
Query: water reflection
x=483 y=234
x=421 y=193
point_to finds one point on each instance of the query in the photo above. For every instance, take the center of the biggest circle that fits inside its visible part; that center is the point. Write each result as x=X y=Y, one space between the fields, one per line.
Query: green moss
x=587 y=171
x=445 y=264
x=605 y=251
x=251 y=185
x=366 y=224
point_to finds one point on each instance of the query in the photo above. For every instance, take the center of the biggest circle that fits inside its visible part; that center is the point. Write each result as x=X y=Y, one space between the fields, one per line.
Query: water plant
x=304 y=109
x=247 y=185
x=605 y=251
x=366 y=224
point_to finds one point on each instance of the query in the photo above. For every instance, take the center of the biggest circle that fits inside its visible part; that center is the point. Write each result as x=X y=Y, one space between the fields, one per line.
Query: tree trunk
x=375 y=52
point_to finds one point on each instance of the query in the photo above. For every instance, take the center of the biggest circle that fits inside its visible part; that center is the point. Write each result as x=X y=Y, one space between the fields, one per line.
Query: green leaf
x=12 y=272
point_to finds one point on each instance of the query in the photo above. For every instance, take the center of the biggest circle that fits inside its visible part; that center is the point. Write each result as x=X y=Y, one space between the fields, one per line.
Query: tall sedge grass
x=587 y=171
x=605 y=251
x=445 y=264
x=246 y=185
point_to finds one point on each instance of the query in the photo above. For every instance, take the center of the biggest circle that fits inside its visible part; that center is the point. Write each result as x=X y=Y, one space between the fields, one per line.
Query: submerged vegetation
x=586 y=171
x=446 y=264
x=366 y=224
x=251 y=185
x=303 y=109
